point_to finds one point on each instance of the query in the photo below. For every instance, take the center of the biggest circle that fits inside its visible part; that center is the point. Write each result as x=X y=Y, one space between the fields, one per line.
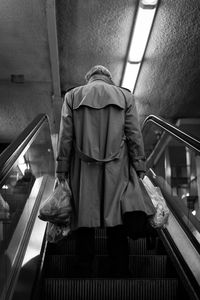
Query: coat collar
x=101 y=77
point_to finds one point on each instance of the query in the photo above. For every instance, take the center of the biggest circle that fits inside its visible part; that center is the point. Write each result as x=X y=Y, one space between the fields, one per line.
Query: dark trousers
x=135 y=226
x=117 y=246
x=118 y=250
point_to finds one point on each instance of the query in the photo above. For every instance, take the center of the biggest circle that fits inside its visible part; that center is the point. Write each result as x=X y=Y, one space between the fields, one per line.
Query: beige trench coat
x=101 y=147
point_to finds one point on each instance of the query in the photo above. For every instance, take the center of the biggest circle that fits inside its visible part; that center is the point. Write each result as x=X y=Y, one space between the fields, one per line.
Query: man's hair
x=98 y=70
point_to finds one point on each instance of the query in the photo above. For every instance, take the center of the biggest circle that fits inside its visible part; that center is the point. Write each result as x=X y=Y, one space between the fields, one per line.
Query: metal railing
x=187 y=139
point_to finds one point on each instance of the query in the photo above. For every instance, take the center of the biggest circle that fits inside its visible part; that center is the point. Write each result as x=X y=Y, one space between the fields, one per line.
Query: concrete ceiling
x=24 y=44
x=93 y=32
x=169 y=81
x=97 y=32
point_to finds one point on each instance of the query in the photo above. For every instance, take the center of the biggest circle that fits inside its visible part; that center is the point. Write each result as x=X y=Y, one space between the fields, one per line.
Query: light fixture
x=5 y=187
x=144 y=20
x=141 y=32
x=130 y=75
x=148 y=3
x=17 y=78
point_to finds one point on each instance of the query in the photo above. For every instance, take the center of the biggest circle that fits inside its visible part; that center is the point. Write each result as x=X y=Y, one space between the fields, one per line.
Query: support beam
x=198 y=186
x=54 y=59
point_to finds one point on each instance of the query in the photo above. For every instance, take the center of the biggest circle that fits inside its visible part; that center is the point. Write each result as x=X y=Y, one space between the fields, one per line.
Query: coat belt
x=89 y=159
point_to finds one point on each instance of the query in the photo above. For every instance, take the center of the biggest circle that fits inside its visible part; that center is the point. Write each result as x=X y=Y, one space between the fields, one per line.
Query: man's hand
x=141 y=174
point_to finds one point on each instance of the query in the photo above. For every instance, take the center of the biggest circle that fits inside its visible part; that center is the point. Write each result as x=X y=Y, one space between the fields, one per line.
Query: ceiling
x=94 y=32
x=98 y=32
x=169 y=82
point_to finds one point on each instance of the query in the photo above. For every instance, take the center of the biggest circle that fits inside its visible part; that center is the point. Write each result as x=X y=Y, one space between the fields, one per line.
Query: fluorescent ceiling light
x=149 y=2
x=130 y=76
x=141 y=32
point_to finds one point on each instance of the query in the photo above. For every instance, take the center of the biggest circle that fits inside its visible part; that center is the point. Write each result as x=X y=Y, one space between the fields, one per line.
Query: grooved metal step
x=68 y=247
x=110 y=289
x=152 y=277
x=150 y=266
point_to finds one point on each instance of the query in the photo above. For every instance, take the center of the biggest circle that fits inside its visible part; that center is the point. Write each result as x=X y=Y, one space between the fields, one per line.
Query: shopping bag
x=160 y=218
x=55 y=232
x=4 y=209
x=57 y=208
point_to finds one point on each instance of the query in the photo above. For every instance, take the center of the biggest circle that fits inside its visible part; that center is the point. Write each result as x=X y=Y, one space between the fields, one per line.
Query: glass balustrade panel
x=17 y=195
x=177 y=169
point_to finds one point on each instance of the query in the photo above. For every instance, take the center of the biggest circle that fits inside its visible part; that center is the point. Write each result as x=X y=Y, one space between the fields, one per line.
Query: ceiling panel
x=24 y=43
x=169 y=81
x=93 y=32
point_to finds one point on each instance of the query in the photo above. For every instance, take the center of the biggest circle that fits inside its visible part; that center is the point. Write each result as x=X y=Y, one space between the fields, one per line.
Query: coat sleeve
x=65 y=141
x=134 y=137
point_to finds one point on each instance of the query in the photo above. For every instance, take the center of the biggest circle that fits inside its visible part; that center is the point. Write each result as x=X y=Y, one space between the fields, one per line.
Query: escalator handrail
x=179 y=211
x=189 y=140
x=195 y=145
x=9 y=156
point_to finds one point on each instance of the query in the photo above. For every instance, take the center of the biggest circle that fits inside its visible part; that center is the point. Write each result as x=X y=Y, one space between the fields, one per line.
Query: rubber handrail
x=192 y=143
x=9 y=156
x=187 y=139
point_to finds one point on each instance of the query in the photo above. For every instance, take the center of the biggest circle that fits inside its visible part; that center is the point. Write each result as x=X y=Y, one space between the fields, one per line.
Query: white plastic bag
x=57 y=207
x=160 y=219
x=55 y=232
x=57 y=211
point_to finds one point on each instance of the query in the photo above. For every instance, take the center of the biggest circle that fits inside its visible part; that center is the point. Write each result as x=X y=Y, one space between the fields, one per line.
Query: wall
x=24 y=50
x=19 y=104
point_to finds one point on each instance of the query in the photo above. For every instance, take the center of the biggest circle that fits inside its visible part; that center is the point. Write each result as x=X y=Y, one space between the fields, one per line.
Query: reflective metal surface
x=18 y=198
x=174 y=166
x=177 y=171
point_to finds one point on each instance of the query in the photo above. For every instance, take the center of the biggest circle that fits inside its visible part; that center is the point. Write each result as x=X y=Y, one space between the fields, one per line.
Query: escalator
x=165 y=266
x=26 y=178
x=152 y=274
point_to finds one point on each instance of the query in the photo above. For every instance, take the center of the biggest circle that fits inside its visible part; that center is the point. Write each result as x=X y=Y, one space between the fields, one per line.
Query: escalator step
x=110 y=289
x=67 y=246
x=150 y=266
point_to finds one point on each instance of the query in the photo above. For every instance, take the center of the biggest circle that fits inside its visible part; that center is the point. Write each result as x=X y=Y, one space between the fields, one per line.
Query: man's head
x=98 y=70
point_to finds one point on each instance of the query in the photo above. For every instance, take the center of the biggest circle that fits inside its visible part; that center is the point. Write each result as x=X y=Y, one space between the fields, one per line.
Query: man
x=101 y=151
